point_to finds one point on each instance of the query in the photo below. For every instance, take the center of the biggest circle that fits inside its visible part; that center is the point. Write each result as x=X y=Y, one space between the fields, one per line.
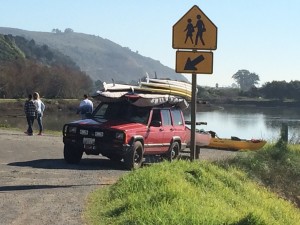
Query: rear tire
x=134 y=158
x=72 y=154
x=173 y=152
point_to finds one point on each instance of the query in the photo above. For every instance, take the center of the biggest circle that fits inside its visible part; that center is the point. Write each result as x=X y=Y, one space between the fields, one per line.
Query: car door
x=179 y=125
x=154 y=141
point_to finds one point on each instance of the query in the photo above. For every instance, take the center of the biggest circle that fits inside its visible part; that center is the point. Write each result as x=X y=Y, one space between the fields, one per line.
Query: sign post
x=194 y=31
x=193 y=117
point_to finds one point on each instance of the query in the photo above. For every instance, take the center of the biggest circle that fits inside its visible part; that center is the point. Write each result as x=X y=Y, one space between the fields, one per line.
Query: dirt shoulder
x=38 y=187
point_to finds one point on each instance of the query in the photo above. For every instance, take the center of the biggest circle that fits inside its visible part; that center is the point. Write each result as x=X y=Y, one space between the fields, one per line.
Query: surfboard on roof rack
x=152 y=86
x=141 y=99
x=117 y=87
x=182 y=89
x=172 y=82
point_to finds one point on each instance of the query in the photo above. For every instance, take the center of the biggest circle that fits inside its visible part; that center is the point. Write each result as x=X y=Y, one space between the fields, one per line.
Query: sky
x=260 y=36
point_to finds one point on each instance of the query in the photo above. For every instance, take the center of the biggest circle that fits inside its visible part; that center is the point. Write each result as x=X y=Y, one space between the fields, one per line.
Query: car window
x=156 y=115
x=166 y=117
x=177 y=118
x=100 y=111
x=137 y=114
x=110 y=110
x=121 y=111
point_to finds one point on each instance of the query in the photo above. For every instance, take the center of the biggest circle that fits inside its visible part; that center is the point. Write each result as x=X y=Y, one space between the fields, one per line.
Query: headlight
x=84 y=132
x=99 y=134
x=120 y=135
x=72 y=130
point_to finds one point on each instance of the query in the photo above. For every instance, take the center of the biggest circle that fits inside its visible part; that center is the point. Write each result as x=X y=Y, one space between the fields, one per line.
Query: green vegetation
x=52 y=104
x=276 y=167
x=271 y=94
x=8 y=49
x=245 y=79
x=4 y=125
x=27 y=67
x=196 y=192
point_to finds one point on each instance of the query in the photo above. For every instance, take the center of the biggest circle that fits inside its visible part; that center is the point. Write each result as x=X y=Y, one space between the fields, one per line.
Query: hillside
x=40 y=68
x=100 y=58
x=8 y=49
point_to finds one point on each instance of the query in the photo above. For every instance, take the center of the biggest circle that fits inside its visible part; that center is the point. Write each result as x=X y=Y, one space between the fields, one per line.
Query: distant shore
x=70 y=105
x=250 y=102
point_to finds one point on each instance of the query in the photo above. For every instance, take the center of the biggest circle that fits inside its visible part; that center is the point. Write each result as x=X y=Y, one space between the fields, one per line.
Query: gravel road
x=37 y=187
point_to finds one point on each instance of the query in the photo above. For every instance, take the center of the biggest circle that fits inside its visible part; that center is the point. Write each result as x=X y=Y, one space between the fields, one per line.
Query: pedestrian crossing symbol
x=195 y=31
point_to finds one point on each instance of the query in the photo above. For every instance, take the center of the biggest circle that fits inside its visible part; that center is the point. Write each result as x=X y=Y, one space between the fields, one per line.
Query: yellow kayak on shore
x=236 y=144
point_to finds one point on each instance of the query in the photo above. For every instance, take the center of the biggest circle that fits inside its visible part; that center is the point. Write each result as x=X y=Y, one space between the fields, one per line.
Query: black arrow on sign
x=191 y=64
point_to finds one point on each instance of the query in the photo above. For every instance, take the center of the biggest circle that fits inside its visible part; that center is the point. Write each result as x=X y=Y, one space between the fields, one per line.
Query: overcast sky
x=261 y=36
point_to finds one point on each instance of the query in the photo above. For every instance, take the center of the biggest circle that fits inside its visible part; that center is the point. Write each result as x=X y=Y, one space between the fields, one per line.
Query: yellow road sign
x=195 y=31
x=194 y=62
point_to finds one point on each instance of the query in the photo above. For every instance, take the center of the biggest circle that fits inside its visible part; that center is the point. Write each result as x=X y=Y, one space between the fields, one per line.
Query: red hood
x=104 y=124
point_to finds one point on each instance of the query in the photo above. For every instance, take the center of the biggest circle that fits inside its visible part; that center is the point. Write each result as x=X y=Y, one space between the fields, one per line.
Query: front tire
x=134 y=158
x=72 y=154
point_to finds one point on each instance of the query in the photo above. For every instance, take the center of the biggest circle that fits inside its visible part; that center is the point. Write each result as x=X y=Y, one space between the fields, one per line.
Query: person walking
x=85 y=106
x=189 y=31
x=40 y=107
x=30 y=112
x=200 y=29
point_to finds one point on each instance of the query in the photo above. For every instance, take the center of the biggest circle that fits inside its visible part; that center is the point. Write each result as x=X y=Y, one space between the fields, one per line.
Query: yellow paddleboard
x=187 y=96
x=172 y=82
x=168 y=87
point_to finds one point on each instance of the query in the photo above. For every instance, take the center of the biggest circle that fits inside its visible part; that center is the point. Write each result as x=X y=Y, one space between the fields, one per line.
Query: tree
x=68 y=31
x=56 y=30
x=281 y=90
x=245 y=79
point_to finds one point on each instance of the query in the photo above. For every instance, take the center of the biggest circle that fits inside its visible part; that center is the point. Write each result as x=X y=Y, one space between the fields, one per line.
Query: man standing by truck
x=85 y=106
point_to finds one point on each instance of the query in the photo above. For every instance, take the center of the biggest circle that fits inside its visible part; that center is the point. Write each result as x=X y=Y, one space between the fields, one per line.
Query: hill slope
x=100 y=58
x=8 y=49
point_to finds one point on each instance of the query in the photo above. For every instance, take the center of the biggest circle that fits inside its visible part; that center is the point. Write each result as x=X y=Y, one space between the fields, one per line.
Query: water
x=51 y=121
x=242 y=122
x=252 y=122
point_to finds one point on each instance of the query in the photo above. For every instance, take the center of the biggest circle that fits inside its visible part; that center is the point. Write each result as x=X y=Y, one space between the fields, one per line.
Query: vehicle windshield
x=122 y=111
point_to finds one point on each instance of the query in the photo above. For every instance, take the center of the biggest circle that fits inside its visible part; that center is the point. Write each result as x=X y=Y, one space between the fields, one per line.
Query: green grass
x=276 y=166
x=188 y=193
x=10 y=100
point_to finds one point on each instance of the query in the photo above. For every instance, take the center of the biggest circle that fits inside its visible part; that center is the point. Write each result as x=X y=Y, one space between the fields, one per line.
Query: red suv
x=123 y=131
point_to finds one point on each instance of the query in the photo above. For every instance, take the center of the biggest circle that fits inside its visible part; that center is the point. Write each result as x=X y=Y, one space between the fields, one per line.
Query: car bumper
x=98 y=148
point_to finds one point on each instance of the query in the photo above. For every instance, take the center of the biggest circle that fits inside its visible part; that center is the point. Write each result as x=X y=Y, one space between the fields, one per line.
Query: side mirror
x=155 y=123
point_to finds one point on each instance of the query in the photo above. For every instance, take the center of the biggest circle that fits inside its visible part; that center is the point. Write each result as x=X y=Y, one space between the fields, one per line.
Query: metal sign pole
x=193 y=116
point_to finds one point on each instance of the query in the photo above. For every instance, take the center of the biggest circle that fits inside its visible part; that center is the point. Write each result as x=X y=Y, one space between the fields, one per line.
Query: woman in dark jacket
x=30 y=112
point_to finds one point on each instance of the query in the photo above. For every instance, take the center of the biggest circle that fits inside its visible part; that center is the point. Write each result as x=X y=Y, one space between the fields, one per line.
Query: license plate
x=88 y=141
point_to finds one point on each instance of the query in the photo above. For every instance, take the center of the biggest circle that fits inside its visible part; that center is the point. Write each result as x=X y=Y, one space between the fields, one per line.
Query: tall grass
x=275 y=166
x=188 y=193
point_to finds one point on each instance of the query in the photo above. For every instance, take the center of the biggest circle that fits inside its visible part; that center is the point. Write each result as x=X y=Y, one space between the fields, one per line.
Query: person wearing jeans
x=30 y=112
x=40 y=107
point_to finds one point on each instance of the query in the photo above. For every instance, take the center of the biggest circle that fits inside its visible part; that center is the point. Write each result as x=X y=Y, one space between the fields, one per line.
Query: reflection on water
x=242 y=122
x=251 y=122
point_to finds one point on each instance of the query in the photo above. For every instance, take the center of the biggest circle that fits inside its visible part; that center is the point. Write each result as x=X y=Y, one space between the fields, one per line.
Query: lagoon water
x=252 y=122
x=240 y=121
